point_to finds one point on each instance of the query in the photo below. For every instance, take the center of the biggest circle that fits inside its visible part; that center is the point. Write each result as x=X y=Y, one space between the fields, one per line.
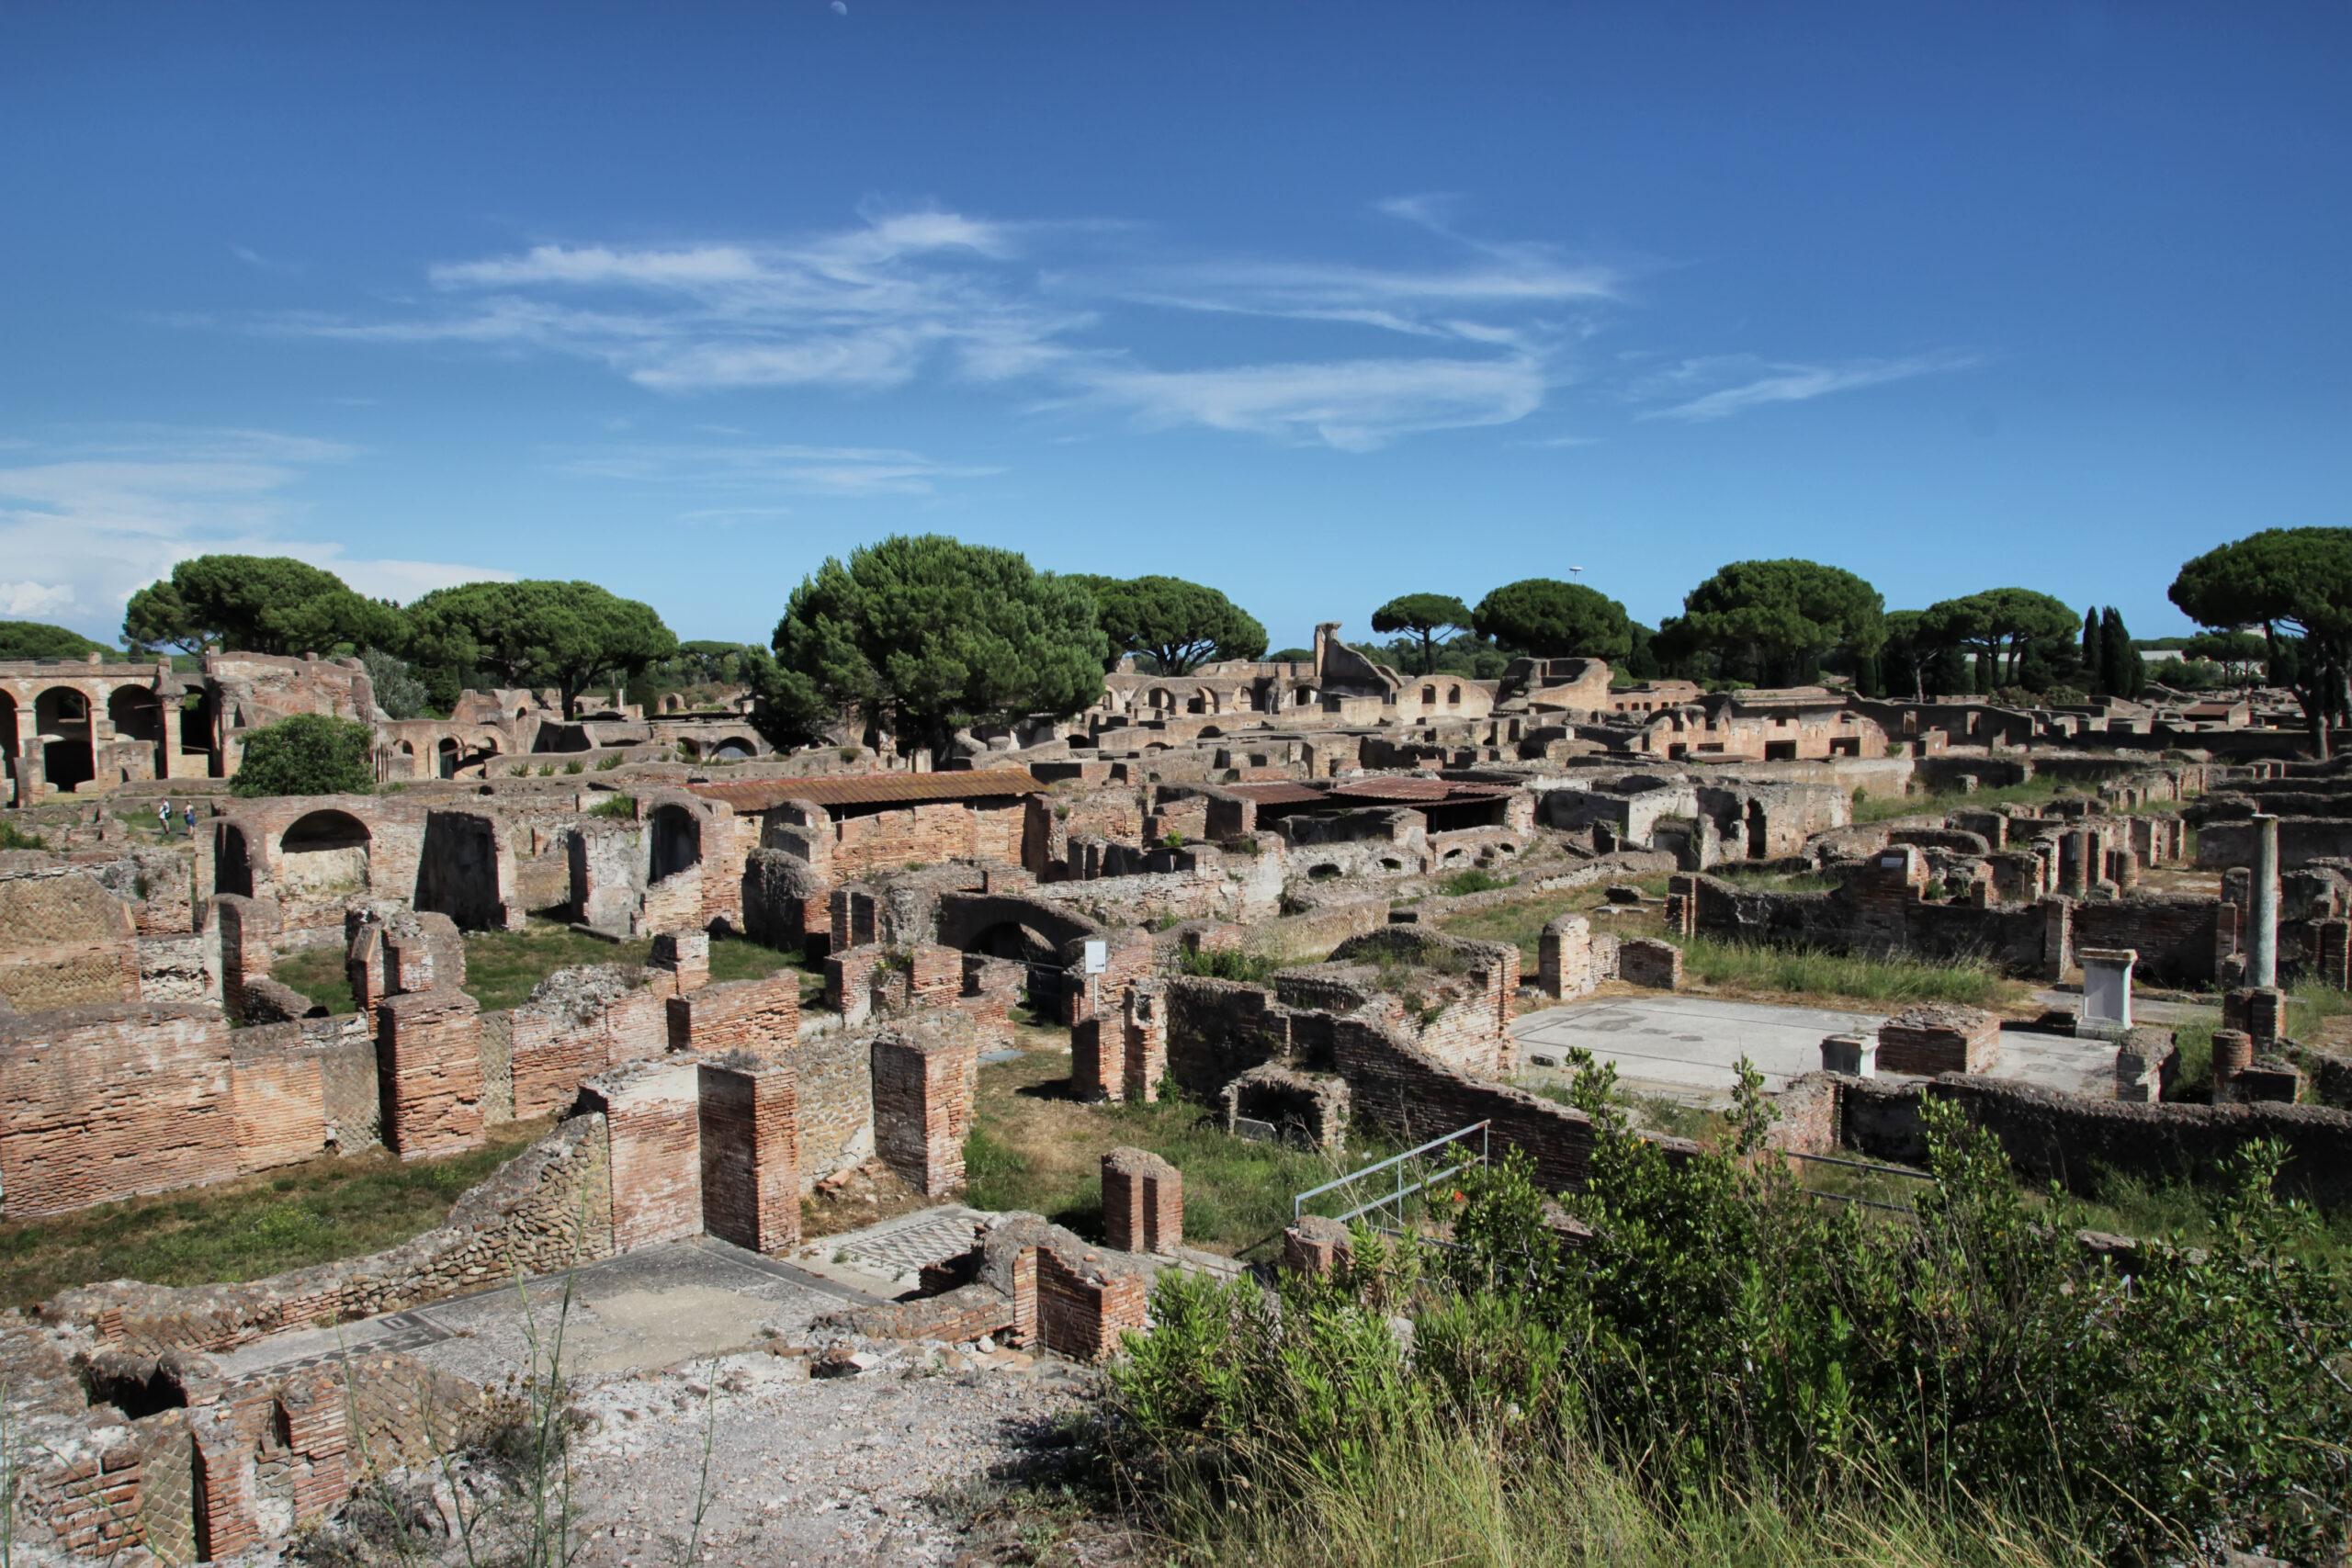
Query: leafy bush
x=621 y=807
x=1228 y=963
x=609 y=763
x=309 y=753
x=14 y=838
x=1722 y=1329
x=1477 y=879
x=398 y=690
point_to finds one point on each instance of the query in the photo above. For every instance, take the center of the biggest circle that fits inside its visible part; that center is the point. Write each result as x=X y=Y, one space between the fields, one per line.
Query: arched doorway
x=448 y=759
x=678 y=842
x=7 y=742
x=138 y=715
x=232 y=866
x=62 y=714
x=323 y=854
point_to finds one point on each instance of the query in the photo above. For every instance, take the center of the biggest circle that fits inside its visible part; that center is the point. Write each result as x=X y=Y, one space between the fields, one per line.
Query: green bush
x=309 y=753
x=1477 y=879
x=609 y=763
x=575 y=766
x=1722 y=1329
x=1228 y=963
x=14 y=838
x=622 y=806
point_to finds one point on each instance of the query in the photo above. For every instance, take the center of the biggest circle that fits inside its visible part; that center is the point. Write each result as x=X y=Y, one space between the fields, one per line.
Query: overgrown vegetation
x=307 y=753
x=1729 y=1370
x=333 y=1207
x=1477 y=879
x=14 y=838
x=622 y=807
x=1806 y=971
x=1229 y=964
x=502 y=966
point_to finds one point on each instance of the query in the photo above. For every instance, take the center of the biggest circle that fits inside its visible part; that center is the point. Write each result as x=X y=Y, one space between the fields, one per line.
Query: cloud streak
x=1758 y=386
x=84 y=523
x=756 y=471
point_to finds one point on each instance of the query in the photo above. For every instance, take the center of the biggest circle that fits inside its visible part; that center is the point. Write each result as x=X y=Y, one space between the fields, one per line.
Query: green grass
x=14 y=838
x=2032 y=792
x=1460 y=1494
x=323 y=1210
x=1031 y=1148
x=1229 y=964
x=501 y=967
x=2182 y=1211
x=1477 y=879
x=1755 y=967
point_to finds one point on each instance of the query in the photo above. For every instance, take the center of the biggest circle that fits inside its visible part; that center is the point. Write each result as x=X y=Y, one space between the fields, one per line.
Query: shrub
x=1228 y=963
x=1477 y=879
x=609 y=763
x=309 y=753
x=575 y=766
x=14 y=838
x=1719 y=1328
x=621 y=807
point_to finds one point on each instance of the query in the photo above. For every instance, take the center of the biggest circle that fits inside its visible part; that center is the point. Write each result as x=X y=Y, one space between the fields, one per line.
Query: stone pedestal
x=2106 y=992
x=1856 y=1055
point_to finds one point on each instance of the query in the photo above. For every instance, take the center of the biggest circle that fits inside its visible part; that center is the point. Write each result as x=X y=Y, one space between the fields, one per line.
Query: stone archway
x=62 y=718
x=676 y=841
x=324 y=854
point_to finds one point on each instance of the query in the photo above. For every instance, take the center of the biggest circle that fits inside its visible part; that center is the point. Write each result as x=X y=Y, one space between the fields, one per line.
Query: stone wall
x=1415 y=1098
x=925 y=1083
x=543 y=1211
x=2073 y=1141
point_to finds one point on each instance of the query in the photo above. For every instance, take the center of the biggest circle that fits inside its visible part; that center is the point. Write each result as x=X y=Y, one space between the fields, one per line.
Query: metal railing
x=1395 y=1198
x=1896 y=1170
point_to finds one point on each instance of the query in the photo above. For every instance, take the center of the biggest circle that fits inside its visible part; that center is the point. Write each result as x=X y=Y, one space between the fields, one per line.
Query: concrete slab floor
x=1688 y=1048
x=657 y=1307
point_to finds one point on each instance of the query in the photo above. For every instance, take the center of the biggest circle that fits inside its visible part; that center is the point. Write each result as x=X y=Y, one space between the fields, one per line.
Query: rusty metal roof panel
x=1420 y=789
x=873 y=789
x=1277 y=794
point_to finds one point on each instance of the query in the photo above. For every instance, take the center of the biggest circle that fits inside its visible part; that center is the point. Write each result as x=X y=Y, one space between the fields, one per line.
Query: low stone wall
x=2073 y=1141
x=545 y=1210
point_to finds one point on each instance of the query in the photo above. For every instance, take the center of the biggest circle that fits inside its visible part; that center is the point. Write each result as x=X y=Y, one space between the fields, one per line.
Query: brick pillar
x=2334 y=941
x=653 y=1118
x=1143 y=1202
x=936 y=972
x=1315 y=1245
x=923 y=1087
x=428 y=1072
x=1565 y=957
x=314 y=1413
x=1143 y=1041
x=228 y=1519
x=2057 y=936
x=2233 y=1054
x=1086 y=1084
x=849 y=981
x=2259 y=1011
x=1024 y=1298
x=750 y=1158
x=685 y=955
x=248 y=932
x=2075 y=864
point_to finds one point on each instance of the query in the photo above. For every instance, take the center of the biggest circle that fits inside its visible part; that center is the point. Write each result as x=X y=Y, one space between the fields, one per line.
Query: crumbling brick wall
x=65 y=941
x=1416 y=1098
x=750 y=1160
x=580 y=1022
x=544 y=1211
x=1143 y=1202
x=1937 y=1038
x=833 y=1078
x=428 y=1061
x=925 y=1082
x=652 y=1114
x=99 y=1103
x=759 y=1016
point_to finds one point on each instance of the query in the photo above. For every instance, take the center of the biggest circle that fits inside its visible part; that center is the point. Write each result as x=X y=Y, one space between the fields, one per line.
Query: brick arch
x=966 y=918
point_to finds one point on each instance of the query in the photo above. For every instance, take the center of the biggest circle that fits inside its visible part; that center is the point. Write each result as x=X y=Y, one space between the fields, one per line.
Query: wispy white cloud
x=866 y=309
x=1493 y=326
x=1355 y=406
x=755 y=470
x=83 y=524
x=1754 y=383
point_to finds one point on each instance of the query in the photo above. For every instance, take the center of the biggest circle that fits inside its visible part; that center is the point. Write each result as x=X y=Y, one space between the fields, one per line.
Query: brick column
x=849 y=981
x=653 y=1116
x=1143 y=1041
x=1086 y=1080
x=428 y=1072
x=1315 y=1245
x=685 y=956
x=1143 y=1202
x=1565 y=957
x=751 y=1156
x=313 y=1412
x=923 y=1086
x=228 y=1518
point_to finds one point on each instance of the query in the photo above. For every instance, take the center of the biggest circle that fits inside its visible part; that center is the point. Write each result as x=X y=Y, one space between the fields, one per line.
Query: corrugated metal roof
x=870 y=789
x=1418 y=789
x=1277 y=794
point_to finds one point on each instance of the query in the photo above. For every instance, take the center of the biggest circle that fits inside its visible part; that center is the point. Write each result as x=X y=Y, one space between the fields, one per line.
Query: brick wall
x=1935 y=1038
x=751 y=1159
x=1143 y=1202
x=98 y=1103
x=652 y=1114
x=1643 y=961
x=1082 y=1308
x=278 y=1093
x=2177 y=939
x=65 y=941
x=759 y=1016
x=1415 y=1098
x=545 y=1210
x=924 y=1085
x=428 y=1064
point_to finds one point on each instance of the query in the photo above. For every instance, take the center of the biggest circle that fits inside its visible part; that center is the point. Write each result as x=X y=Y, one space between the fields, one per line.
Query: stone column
x=2262 y=944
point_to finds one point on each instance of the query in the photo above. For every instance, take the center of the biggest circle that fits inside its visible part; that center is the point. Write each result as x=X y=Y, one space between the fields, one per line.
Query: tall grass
x=1806 y=971
x=1446 y=1495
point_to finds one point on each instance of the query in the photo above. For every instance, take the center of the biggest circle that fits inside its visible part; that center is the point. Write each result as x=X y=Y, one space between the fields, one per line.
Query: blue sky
x=1316 y=302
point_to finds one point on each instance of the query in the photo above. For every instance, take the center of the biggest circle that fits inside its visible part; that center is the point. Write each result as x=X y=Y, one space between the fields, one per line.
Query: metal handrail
x=1862 y=1165
x=1485 y=1151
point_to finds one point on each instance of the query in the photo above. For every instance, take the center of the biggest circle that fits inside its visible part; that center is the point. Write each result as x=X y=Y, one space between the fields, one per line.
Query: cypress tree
x=2090 y=647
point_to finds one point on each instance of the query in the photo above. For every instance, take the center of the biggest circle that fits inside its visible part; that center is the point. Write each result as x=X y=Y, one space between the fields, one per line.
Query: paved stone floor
x=654 y=1308
x=1687 y=1048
